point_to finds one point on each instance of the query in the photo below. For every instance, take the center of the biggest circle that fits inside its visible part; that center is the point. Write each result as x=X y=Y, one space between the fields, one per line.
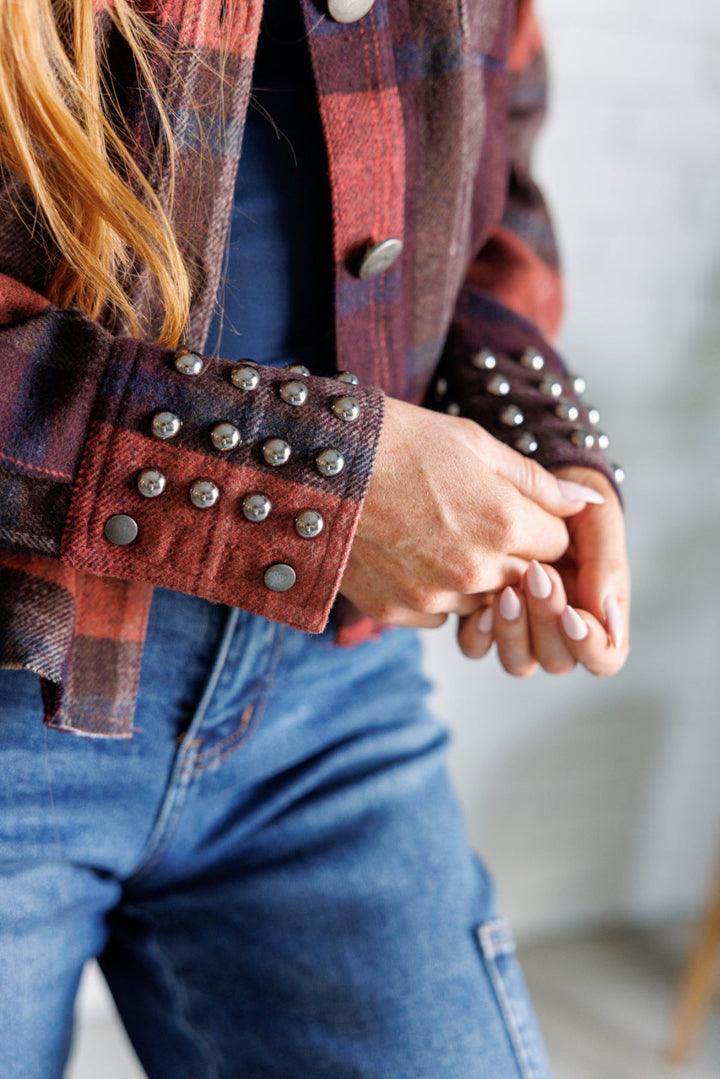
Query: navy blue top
x=278 y=289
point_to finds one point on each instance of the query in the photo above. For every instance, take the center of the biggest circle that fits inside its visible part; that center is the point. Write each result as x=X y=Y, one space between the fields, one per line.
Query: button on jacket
x=125 y=465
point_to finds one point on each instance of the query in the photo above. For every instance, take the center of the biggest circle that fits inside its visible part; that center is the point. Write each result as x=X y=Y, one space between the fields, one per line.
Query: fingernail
x=485 y=621
x=574 y=626
x=614 y=620
x=578 y=492
x=538 y=582
x=510 y=605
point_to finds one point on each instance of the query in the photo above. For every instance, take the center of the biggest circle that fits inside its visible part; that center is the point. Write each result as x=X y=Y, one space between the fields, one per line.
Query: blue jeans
x=273 y=873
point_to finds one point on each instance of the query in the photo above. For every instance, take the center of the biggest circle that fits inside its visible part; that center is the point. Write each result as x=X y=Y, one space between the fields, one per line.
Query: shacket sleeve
x=499 y=366
x=117 y=458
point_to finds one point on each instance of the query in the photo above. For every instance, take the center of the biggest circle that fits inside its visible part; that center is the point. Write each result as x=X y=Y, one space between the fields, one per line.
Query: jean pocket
x=497 y=947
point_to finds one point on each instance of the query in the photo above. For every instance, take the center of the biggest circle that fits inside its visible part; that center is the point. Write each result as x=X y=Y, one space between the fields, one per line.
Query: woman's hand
x=450 y=513
x=574 y=612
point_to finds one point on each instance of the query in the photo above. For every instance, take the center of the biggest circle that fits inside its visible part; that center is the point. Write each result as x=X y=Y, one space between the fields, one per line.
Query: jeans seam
x=490 y=953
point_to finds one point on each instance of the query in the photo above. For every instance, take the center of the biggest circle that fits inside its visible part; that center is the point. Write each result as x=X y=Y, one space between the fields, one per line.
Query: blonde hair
x=55 y=135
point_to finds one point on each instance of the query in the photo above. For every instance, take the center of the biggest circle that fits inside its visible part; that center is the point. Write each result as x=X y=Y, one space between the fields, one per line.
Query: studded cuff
x=499 y=371
x=239 y=483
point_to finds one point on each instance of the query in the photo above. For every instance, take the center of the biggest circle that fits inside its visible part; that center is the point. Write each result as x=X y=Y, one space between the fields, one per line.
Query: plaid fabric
x=428 y=111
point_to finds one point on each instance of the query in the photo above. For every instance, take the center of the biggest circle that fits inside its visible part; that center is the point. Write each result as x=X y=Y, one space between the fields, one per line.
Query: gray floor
x=604 y=1001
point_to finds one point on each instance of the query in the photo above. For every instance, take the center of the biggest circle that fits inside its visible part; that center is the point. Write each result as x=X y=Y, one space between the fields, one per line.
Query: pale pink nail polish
x=485 y=621
x=538 y=582
x=574 y=626
x=614 y=620
x=510 y=605
x=578 y=492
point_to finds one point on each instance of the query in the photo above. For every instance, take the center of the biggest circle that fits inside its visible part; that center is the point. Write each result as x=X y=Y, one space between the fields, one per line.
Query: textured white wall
x=601 y=800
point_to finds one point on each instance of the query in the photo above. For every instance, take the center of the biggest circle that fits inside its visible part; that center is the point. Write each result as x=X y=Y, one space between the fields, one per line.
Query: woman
x=272 y=869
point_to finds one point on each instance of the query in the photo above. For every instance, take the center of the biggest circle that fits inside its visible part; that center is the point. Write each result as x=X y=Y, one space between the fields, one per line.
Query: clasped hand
x=456 y=522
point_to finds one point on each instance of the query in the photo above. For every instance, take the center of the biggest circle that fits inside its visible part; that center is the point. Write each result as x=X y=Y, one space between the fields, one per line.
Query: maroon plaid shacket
x=429 y=110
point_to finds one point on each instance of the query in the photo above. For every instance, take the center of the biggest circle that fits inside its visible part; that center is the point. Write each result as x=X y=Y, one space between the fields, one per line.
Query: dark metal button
x=256 y=507
x=452 y=409
x=121 y=529
x=441 y=387
x=511 y=416
x=225 y=436
x=189 y=363
x=526 y=443
x=499 y=386
x=551 y=386
x=346 y=408
x=245 y=378
x=204 y=494
x=348 y=10
x=484 y=360
x=349 y=377
x=276 y=452
x=165 y=425
x=379 y=258
x=151 y=483
x=309 y=524
x=294 y=393
x=566 y=410
x=532 y=359
x=330 y=462
x=280 y=577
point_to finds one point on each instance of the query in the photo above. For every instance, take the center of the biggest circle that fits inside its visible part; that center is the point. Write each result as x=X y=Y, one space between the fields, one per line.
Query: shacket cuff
x=198 y=534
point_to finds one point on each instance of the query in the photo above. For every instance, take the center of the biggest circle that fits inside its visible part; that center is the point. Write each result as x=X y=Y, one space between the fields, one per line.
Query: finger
x=545 y=600
x=537 y=534
x=512 y=634
x=475 y=632
x=405 y=618
x=588 y=641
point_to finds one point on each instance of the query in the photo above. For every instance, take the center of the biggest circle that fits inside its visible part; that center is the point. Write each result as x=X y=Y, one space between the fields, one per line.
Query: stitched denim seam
x=525 y=1066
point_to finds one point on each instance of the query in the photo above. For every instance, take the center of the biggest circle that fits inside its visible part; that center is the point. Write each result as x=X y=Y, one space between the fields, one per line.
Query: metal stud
x=298 y=369
x=603 y=440
x=256 y=507
x=566 y=410
x=294 y=393
x=511 y=416
x=532 y=359
x=618 y=473
x=309 y=524
x=593 y=415
x=484 y=360
x=499 y=386
x=441 y=387
x=582 y=438
x=279 y=577
x=330 y=462
x=579 y=384
x=550 y=386
x=165 y=425
x=276 y=452
x=452 y=409
x=379 y=258
x=225 y=437
x=346 y=408
x=245 y=378
x=204 y=494
x=121 y=529
x=526 y=443
x=151 y=483
x=189 y=363
x=349 y=377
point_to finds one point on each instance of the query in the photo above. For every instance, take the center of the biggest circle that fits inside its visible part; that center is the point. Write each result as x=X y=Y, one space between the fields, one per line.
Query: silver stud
x=280 y=577
x=189 y=363
x=346 y=11
x=566 y=410
x=499 y=386
x=603 y=441
x=441 y=387
x=256 y=507
x=225 y=437
x=379 y=258
x=276 y=452
x=511 y=416
x=298 y=369
x=452 y=409
x=579 y=384
x=204 y=494
x=329 y=462
x=165 y=425
x=618 y=473
x=532 y=359
x=151 y=483
x=294 y=393
x=121 y=529
x=346 y=408
x=484 y=360
x=245 y=378
x=582 y=438
x=349 y=377
x=551 y=387
x=526 y=444
x=309 y=524
x=593 y=415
